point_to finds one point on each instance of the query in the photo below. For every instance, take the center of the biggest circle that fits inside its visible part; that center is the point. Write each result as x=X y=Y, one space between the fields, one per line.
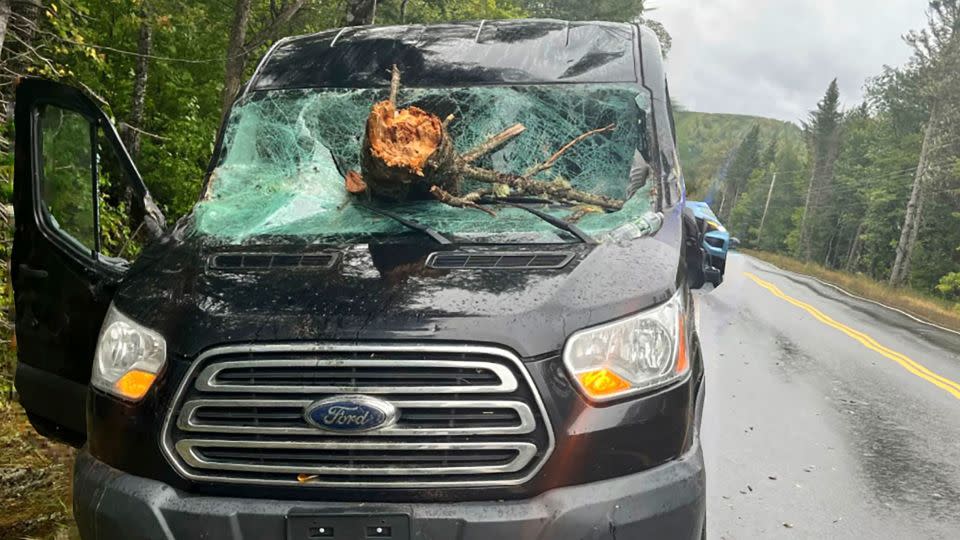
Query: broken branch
x=493 y=143
x=558 y=191
x=394 y=85
x=548 y=164
x=467 y=201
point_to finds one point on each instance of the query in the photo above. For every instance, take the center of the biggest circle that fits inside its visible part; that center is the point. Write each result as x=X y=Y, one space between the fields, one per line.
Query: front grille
x=464 y=416
x=432 y=417
x=344 y=375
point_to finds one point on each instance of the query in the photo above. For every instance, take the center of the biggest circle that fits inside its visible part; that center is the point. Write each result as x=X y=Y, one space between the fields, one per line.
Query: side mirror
x=734 y=243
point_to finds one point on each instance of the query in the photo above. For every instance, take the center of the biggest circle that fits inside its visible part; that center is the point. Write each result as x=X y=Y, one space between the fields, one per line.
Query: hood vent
x=518 y=260
x=252 y=262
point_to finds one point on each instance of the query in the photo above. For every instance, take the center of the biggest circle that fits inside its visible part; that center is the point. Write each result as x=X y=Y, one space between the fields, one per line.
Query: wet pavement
x=808 y=432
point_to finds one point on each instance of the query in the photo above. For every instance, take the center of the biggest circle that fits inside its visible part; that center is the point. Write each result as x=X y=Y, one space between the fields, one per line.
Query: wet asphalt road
x=810 y=434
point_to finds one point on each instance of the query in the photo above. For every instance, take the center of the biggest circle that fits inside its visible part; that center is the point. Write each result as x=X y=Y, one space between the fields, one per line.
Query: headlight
x=128 y=358
x=715 y=226
x=631 y=355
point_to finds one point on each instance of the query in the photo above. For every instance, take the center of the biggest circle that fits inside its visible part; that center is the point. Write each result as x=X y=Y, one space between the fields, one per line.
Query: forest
x=870 y=188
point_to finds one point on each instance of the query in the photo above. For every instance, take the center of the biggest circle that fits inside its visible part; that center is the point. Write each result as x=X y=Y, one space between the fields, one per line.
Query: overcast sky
x=775 y=58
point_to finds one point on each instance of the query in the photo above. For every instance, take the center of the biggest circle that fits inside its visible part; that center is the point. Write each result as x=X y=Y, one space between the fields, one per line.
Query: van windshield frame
x=284 y=155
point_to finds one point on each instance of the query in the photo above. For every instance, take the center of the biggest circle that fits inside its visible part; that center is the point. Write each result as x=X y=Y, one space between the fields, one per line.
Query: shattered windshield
x=286 y=154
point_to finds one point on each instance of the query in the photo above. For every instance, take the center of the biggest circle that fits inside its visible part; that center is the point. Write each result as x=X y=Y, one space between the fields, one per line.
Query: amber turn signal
x=134 y=384
x=682 y=362
x=602 y=382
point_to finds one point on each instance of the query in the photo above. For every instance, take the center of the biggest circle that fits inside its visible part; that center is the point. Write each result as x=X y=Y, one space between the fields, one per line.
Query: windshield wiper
x=410 y=224
x=555 y=221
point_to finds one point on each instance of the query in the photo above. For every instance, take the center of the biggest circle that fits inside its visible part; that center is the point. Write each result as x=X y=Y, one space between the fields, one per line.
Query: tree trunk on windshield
x=408 y=153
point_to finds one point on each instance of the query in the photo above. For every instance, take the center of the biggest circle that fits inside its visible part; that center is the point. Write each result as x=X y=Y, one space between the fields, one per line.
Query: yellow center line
x=905 y=361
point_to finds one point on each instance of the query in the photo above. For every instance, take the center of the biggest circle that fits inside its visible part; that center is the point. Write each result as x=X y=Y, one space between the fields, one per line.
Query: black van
x=292 y=361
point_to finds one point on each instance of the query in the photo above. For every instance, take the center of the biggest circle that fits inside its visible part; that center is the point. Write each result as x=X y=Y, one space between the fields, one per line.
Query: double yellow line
x=908 y=364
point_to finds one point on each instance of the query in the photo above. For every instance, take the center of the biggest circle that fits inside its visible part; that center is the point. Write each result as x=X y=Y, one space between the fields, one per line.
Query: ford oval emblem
x=351 y=414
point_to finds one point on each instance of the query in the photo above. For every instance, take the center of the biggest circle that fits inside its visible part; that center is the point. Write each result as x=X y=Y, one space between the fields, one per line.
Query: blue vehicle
x=716 y=239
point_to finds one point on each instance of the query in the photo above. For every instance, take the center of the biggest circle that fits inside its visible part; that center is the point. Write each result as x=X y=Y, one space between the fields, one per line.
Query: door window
x=67 y=181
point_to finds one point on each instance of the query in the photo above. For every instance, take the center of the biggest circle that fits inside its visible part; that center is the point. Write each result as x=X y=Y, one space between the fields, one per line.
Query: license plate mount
x=348 y=527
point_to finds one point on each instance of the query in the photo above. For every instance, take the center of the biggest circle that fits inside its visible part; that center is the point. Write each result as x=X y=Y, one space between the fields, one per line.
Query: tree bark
x=766 y=208
x=854 y=256
x=360 y=12
x=820 y=179
x=141 y=74
x=270 y=31
x=239 y=47
x=21 y=26
x=803 y=247
x=236 y=55
x=900 y=271
x=4 y=21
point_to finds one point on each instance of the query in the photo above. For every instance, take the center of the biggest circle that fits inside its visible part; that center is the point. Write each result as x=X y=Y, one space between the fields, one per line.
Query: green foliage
x=818 y=222
x=824 y=121
x=718 y=150
x=428 y=11
x=746 y=160
x=707 y=140
x=859 y=197
x=949 y=286
x=594 y=10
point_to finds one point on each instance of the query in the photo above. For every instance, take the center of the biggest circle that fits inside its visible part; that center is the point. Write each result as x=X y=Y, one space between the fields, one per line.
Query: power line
x=886 y=175
x=246 y=51
x=133 y=53
x=949 y=142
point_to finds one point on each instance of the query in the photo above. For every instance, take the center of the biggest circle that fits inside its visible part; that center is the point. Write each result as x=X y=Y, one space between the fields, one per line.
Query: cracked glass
x=285 y=154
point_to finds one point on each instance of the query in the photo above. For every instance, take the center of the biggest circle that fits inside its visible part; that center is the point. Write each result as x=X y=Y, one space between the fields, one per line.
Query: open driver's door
x=63 y=281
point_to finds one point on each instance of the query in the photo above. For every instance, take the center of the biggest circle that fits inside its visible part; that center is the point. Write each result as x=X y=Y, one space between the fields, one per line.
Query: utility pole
x=766 y=207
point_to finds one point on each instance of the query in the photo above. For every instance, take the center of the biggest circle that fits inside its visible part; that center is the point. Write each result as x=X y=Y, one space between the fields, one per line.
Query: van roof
x=472 y=53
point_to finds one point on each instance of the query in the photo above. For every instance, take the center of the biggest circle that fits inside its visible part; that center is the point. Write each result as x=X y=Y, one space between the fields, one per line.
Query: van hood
x=388 y=292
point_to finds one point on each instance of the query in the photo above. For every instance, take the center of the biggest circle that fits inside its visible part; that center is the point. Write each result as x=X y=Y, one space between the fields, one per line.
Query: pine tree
x=822 y=130
x=745 y=162
x=937 y=57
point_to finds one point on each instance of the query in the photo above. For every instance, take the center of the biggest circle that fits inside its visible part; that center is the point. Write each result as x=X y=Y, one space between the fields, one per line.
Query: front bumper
x=667 y=502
